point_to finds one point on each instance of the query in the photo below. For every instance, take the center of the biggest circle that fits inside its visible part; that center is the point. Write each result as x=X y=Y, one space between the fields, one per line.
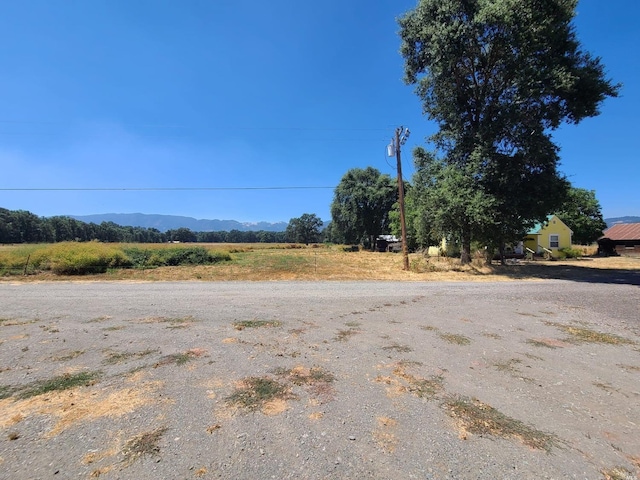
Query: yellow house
x=552 y=235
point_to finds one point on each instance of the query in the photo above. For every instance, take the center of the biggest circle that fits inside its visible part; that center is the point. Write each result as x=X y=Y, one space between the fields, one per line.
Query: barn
x=620 y=239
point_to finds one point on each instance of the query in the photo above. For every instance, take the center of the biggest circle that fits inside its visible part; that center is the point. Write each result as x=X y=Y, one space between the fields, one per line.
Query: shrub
x=174 y=256
x=71 y=258
x=571 y=252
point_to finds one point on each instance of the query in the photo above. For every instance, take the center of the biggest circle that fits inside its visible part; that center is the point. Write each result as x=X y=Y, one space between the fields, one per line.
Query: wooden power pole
x=401 y=137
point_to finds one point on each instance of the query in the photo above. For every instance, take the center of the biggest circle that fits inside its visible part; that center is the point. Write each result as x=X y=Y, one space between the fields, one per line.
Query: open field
x=319 y=380
x=297 y=262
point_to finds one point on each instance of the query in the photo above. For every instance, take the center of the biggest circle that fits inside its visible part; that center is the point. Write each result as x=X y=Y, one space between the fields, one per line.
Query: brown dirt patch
x=77 y=405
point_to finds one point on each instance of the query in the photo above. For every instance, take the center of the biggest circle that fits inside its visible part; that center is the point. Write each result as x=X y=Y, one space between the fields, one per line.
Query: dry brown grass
x=475 y=417
x=587 y=335
x=281 y=262
x=80 y=404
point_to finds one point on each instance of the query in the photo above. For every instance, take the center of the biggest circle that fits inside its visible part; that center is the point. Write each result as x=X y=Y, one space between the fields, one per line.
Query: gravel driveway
x=189 y=380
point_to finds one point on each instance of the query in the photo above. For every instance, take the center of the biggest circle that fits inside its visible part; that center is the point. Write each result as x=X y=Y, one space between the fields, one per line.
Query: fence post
x=26 y=265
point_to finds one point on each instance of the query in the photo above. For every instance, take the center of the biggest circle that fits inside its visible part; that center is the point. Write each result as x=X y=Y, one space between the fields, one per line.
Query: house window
x=554 y=241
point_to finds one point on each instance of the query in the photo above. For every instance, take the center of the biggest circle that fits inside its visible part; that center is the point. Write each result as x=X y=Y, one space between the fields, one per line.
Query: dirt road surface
x=315 y=380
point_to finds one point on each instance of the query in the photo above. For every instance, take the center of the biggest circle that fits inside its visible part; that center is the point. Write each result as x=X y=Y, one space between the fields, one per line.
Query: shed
x=620 y=239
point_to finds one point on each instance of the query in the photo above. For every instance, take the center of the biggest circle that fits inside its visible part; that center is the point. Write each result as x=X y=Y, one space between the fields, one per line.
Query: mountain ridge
x=172 y=222
x=627 y=219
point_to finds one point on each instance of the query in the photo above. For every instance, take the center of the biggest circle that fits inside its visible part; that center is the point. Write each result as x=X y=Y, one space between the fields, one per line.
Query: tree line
x=21 y=226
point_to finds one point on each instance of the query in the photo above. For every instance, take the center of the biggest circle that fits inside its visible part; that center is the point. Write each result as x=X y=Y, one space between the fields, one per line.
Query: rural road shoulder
x=382 y=379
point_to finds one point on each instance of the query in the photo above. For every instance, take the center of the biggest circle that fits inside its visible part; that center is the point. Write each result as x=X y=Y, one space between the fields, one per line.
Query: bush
x=71 y=258
x=171 y=257
x=571 y=252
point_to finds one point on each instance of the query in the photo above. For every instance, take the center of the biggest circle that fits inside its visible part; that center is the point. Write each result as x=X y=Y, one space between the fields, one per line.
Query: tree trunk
x=502 y=258
x=465 y=250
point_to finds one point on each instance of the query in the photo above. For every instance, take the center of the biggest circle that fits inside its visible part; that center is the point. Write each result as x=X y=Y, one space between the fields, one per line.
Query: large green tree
x=446 y=202
x=304 y=229
x=361 y=204
x=498 y=76
x=581 y=212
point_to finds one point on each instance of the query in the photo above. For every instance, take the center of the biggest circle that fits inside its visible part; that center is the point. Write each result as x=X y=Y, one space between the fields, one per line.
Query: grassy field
x=279 y=262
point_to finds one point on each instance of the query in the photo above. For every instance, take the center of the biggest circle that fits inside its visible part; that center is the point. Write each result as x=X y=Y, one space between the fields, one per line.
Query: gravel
x=170 y=358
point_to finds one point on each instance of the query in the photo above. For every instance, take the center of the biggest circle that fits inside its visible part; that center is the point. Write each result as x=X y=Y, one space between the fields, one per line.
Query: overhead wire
x=151 y=189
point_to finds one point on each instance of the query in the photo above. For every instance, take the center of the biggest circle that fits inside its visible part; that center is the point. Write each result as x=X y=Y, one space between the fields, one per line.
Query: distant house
x=552 y=234
x=446 y=248
x=620 y=239
x=388 y=243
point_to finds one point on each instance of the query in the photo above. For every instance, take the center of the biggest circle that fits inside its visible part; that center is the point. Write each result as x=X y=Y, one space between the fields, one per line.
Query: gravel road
x=315 y=380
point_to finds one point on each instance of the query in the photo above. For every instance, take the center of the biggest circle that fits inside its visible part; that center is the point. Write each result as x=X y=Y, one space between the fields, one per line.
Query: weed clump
x=482 y=419
x=455 y=338
x=143 y=444
x=256 y=324
x=586 y=335
x=59 y=383
x=256 y=392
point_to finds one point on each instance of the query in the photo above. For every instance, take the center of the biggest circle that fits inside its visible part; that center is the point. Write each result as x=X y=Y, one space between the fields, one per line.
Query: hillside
x=172 y=222
x=627 y=219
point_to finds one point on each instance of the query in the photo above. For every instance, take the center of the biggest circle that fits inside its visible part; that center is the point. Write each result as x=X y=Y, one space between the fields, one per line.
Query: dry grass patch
x=6 y=391
x=384 y=434
x=495 y=336
x=632 y=368
x=403 y=382
x=103 y=318
x=76 y=405
x=174 y=322
x=455 y=339
x=478 y=418
x=545 y=342
x=63 y=357
x=146 y=443
x=586 y=335
x=9 y=322
x=305 y=376
x=344 y=335
x=508 y=365
x=256 y=324
x=317 y=381
x=256 y=393
x=428 y=328
x=618 y=473
x=398 y=348
x=181 y=358
x=119 y=357
x=59 y=383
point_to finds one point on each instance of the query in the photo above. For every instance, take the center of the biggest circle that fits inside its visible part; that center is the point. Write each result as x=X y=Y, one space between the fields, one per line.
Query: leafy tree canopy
x=498 y=76
x=361 y=204
x=305 y=229
x=581 y=212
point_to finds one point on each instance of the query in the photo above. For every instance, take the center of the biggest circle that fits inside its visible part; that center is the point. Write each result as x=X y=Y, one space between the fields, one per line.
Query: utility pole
x=400 y=138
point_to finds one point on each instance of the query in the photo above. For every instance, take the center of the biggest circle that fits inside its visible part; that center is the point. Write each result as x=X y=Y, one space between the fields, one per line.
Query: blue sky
x=121 y=94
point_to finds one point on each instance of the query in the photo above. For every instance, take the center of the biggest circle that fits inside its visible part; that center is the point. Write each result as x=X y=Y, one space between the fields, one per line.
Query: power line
x=152 y=189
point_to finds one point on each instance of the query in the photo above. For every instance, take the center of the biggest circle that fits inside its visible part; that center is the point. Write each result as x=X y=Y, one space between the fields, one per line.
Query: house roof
x=539 y=226
x=623 y=231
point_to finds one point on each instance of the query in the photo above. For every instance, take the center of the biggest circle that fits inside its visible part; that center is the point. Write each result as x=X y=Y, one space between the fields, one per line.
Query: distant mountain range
x=611 y=221
x=172 y=222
